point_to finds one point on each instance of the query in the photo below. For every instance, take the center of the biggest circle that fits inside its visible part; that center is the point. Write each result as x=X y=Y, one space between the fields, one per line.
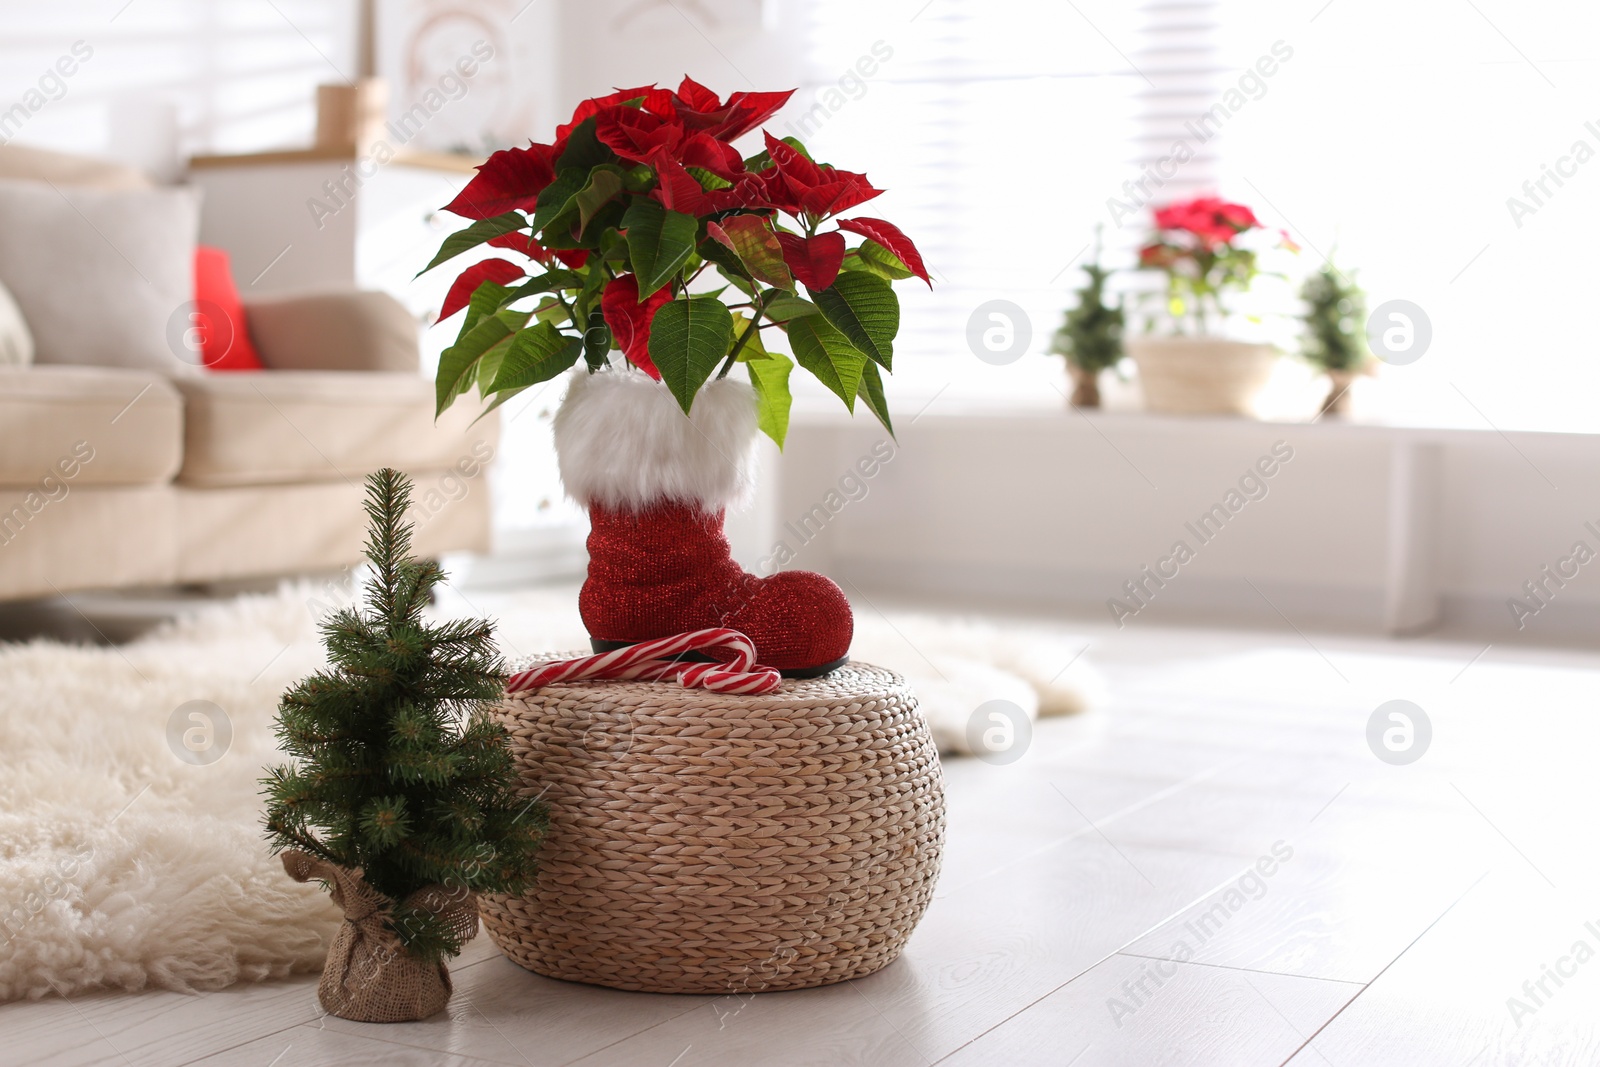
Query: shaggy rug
x=131 y=851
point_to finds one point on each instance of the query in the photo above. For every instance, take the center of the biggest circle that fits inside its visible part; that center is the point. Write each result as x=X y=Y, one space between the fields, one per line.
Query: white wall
x=729 y=45
x=233 y=75
x=164 y=79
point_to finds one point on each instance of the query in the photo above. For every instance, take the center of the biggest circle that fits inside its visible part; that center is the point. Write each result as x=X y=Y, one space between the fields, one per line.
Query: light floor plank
x=1484 y=984
x=1133 y=1012
x=158 y=1029
x=504 y=1014
x=312 y=1046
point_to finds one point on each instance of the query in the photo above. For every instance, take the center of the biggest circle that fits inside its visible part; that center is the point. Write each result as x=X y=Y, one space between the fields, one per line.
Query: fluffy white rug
x=122 y=866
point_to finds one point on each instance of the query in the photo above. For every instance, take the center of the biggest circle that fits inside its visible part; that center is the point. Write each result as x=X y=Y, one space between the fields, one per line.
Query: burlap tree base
x=369 y=976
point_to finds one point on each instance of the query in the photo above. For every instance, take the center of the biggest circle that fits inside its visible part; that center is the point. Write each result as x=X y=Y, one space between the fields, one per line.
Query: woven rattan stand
x=709 y=843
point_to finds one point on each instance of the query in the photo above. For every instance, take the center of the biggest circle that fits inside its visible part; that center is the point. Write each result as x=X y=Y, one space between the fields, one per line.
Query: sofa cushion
x=224 y=339
x=42 y=165
x=336 y=330
x=16 y=340
x=102 y=277
x=87 y=426
x=317 y=426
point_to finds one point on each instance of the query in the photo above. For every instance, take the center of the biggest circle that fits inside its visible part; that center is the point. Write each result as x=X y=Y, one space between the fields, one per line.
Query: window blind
x=999 y=130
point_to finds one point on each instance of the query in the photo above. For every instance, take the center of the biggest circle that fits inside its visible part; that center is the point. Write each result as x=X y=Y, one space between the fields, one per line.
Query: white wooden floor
x=1098 y=904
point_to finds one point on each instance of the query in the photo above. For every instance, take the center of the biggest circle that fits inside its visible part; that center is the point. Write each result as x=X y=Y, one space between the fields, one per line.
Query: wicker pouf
x=708 y=843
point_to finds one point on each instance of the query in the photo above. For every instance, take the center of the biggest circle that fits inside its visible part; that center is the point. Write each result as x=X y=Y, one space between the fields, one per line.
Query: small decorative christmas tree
x=403 y=790
x=1091 y=336
x=1335 y=339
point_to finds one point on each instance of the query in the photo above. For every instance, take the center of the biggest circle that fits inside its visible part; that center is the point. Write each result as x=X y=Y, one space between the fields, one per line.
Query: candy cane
x=652 y=661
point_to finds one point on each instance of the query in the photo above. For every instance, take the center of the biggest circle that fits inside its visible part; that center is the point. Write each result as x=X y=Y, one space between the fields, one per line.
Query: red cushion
x=218 y=320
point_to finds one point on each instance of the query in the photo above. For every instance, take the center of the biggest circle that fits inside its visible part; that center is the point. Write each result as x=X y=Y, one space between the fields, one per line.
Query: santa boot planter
x=656 y=484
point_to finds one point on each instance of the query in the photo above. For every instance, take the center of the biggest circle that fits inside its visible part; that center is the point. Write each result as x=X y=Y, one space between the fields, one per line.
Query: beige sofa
x=112 y=478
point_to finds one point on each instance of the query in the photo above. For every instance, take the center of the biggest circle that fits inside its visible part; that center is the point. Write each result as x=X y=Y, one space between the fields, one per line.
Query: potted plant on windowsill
x=1335 y=339
x=1090 y=338
x=1204 y=247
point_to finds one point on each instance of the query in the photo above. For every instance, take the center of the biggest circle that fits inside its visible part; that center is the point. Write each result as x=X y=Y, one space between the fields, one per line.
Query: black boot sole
x=700 y=657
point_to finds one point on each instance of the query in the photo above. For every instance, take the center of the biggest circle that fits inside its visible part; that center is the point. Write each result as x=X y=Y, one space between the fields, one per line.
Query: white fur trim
x=622 y=441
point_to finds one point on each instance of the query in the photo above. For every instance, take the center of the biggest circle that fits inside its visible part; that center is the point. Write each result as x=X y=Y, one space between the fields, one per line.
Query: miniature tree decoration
x=1091 y=336
x=1335 y=340
x=402 y=794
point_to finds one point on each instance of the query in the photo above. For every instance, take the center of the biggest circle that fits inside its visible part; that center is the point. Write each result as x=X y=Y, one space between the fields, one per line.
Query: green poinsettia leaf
x=552 y=311
x=732 y=276
x=558 y=200
x=604 y=185
x=548 y=282
x=687 y=339
x=753 y=348
x=613 y=246
x=873 y=257
x=708 y=181
x=475 y=235
x=769 y=377
x=864 y=308
x=489 y=366
x=726 y=259
x=458 y=364
x=871 y=393
x=829 y=355
x=659 y=242
x=784 y=307
x=584 y=150
x=535 y=355
x=486 y=299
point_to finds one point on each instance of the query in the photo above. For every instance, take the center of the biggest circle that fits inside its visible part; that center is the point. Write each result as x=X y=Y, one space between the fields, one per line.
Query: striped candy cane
x=653 y=661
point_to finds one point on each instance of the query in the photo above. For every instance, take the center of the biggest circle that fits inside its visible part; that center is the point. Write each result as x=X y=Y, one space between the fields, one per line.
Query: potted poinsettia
x=1208 y=249
x=656 y=261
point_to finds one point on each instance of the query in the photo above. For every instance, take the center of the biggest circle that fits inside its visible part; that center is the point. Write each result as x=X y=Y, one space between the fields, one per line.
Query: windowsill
x=943 y=410
x=1390 y=400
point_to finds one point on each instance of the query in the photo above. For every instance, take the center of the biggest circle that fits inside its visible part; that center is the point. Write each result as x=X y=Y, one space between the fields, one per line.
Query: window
x=1442 y=151
x=998 y=128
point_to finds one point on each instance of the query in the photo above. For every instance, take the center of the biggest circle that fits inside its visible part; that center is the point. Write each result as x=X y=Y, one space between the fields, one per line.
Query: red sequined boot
x=656 y=484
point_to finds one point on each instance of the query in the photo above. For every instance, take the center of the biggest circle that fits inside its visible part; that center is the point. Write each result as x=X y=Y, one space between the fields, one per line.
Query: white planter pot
x=1201 y=375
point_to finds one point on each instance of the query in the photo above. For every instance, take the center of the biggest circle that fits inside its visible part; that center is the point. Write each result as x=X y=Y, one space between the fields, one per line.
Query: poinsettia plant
x=1202 y=248
x=642 y=231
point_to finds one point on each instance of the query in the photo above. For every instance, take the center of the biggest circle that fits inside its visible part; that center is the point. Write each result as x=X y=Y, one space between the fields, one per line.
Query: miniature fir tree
x=1335 y=321
x=1335 y=332
x=399 y=770
x=1091 y=336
